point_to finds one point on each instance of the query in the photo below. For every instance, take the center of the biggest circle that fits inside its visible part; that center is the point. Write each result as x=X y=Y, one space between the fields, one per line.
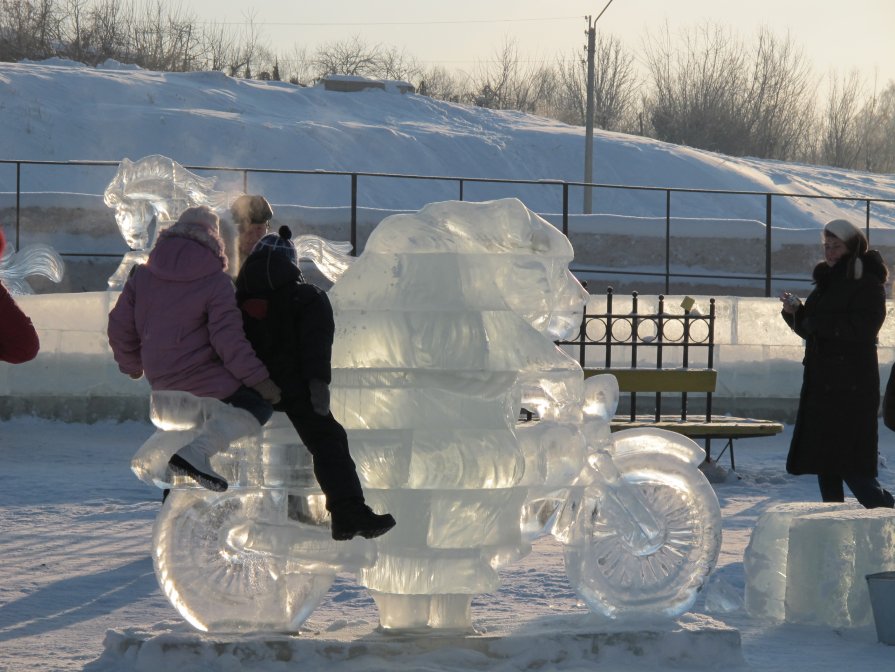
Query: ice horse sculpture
x=445 y=329
x=38 y=259
x=149 y=194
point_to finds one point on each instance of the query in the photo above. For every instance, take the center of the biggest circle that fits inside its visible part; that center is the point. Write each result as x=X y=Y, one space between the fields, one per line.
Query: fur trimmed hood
x=201 y=225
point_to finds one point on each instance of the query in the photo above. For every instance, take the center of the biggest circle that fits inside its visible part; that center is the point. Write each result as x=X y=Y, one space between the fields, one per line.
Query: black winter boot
x=351 y=517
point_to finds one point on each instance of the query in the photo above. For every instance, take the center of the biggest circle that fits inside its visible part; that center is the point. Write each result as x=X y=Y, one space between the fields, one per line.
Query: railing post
x=634 y=328
x=668 y=241
x=461 y=189
x=608 y=357
x=565 y=208
x=767 y=245
x=660 y=342
x=18 y=200
x=245 y=181
x=354 y=251
x=867 y=220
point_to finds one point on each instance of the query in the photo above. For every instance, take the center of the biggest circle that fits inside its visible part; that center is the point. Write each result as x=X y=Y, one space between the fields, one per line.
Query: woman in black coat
x=290 y=325
x=835 y=435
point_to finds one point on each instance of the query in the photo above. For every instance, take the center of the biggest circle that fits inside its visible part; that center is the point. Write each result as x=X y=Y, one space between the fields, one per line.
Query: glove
x=269 y=390
x=319 y=396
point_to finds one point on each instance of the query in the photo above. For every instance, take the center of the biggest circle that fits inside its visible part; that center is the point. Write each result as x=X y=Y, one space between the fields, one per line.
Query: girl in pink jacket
x=177 y=322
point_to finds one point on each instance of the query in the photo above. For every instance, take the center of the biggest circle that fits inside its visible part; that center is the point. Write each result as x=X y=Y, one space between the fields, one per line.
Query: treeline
x=705 y=87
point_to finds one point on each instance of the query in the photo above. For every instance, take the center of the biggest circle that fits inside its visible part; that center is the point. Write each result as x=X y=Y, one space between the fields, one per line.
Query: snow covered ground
x=76 y=574
x=76 y=578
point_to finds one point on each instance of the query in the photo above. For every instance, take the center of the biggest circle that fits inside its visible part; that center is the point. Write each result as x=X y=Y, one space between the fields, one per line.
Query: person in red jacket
x=18 y=338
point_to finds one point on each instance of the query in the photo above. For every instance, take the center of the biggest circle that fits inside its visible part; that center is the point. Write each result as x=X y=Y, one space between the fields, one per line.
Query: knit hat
x=200 y=224
x=280 y=242
x=251 y=209
x=854 y=240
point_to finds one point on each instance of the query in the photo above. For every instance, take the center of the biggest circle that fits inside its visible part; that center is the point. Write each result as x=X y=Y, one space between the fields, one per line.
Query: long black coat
x=836 y=426
x=288 y=322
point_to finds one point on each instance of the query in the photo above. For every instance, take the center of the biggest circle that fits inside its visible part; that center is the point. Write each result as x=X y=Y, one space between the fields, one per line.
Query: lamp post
x=589 y=115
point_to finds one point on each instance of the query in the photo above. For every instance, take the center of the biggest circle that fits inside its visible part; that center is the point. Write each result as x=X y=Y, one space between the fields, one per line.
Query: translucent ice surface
x=153 y=190
x=258 y=557
x=149 y=194
x=806 y=562
x=39 y=259
x=830 y=553
x=444 y=331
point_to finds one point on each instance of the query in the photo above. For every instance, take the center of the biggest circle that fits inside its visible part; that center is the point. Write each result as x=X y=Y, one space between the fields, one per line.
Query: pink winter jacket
x=177 y=321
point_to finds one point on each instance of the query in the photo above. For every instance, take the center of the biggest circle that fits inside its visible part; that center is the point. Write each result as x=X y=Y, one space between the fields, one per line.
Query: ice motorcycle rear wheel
x=217 y=585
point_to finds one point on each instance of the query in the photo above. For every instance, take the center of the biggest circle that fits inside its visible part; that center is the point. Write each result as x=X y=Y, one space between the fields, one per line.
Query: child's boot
x=219 y=432
x=192 y=461
x=352 y=517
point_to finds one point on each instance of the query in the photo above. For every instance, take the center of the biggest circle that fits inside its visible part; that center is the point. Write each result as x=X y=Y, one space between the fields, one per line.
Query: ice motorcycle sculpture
x=444 y=330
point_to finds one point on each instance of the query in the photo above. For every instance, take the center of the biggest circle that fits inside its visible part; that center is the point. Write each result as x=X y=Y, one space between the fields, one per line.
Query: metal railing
x=562 y=186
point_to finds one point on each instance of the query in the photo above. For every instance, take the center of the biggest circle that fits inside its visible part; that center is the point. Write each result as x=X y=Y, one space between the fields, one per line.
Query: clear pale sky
x=835 y=35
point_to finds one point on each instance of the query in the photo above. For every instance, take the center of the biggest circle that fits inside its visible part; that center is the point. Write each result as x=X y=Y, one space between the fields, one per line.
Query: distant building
x=349 y=83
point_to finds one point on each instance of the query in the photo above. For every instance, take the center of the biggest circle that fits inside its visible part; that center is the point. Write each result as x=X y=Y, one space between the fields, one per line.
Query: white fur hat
x=855 y=241
x=843 y=229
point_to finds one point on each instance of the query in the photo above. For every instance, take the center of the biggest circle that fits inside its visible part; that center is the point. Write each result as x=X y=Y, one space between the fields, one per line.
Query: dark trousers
x=327 y=442
x=866 y=489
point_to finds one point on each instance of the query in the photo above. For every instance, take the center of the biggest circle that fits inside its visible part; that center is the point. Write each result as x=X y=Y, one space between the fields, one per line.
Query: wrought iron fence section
x=658 y=331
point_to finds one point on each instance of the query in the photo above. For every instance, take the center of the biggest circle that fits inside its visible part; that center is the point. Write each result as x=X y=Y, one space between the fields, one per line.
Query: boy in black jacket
x=290 y=324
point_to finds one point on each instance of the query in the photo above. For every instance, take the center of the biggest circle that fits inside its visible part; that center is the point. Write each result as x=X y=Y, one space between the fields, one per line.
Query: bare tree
x=163 y=38
x=441 y=84
x=615 y=87
x=108 y=30
x=296 y=66
x=840 y=141
x=28 y=29
x=506 y=84
x=396 y=64
x=217 y=44
x=779 y=102
x=75 y=31
x=698 y=89
x=348 y=57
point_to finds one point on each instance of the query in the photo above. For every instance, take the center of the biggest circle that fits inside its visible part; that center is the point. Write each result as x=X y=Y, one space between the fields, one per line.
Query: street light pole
x=589 y=118
x=589 y=114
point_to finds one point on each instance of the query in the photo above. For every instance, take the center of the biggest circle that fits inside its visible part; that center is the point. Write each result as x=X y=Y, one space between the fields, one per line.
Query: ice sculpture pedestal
x=690 y=642
x=806 y=562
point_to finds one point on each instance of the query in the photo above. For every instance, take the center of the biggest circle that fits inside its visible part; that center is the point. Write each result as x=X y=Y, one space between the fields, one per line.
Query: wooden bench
x=684 y=381
x=659 y=349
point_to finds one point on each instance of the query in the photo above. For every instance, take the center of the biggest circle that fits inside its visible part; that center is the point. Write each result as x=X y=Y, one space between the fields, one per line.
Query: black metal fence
x=650 y=340
x=562 y=188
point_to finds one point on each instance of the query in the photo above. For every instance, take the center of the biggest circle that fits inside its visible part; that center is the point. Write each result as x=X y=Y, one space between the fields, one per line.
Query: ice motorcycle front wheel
x=626 y=581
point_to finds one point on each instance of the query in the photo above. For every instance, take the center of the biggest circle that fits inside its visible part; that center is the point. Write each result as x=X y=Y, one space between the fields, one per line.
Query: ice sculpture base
x=806 y=562
x=693 y=641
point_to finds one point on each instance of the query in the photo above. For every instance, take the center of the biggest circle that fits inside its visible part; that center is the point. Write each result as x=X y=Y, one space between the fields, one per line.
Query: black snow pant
x=866 y=489
x=327 y=442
